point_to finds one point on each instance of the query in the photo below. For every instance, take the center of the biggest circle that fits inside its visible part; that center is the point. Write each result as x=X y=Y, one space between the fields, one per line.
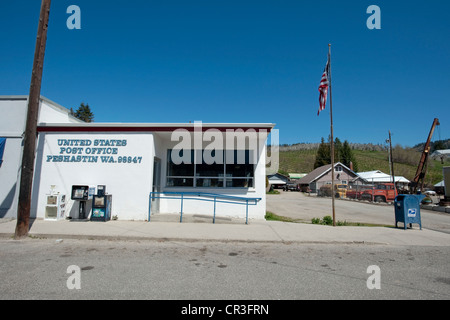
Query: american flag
x=323 y=87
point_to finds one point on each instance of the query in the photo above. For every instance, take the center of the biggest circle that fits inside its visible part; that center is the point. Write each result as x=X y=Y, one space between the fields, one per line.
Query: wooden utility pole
x=29 y=147
x=392 y=162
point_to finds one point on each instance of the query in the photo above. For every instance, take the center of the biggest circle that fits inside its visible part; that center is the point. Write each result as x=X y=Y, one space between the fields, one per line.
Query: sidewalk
x=255 y=231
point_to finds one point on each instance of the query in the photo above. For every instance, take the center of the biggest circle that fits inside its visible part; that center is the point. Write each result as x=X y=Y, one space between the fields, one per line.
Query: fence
x=202 y=196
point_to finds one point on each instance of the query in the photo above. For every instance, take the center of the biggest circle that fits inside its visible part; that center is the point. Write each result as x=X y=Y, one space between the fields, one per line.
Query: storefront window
x=239 y=169
x=231 y=169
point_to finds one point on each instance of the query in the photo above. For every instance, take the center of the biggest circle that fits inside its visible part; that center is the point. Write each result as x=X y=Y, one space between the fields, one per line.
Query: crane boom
x=422 y=167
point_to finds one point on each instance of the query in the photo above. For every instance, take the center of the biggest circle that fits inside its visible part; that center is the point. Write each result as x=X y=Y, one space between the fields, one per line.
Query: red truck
x=355 y=192
x=383 y=192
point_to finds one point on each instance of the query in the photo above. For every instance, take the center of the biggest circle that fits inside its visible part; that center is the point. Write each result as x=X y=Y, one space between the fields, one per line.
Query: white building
x=440 y=154
x=13 y=111
x=217 y=168
x=277 y=179
x=377 y=176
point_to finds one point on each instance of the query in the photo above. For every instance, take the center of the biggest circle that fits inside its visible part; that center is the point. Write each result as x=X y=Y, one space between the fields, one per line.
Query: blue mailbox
x=407 y=209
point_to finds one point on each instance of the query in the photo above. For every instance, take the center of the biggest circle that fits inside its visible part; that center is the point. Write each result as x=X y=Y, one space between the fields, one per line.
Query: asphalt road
x=38 y=269
x=197 y=270
x=300 y=206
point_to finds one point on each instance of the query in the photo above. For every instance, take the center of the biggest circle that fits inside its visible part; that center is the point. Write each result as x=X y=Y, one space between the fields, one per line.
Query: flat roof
x=148 y=127
x=134 y=127
x=49 y=102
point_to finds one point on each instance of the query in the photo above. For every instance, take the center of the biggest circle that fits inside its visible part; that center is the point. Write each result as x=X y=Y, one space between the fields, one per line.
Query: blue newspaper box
x=407 y=209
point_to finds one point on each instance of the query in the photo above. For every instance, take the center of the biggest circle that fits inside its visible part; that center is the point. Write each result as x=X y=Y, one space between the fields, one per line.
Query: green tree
x=347 y=156
x=437 y=145
x=83 y=113
x=323 y=155
x=337 y=150
x=342 y=153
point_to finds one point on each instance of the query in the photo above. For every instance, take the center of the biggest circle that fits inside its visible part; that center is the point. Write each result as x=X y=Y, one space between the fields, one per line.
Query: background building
x=322 y=176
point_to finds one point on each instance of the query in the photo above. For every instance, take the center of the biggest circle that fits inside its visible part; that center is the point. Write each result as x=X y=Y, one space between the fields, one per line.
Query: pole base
x=445 y=202
x=21 y=230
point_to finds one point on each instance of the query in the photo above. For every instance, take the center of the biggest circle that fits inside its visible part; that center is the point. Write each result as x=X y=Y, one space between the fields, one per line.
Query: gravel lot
x=303 y=208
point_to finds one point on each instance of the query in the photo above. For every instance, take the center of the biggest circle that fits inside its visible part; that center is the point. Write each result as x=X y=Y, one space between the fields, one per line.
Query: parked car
x=430 y=193
x=291 y=186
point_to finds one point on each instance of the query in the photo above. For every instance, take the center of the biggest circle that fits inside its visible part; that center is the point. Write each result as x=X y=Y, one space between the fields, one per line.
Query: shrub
x=315 y=220
x=327 y=220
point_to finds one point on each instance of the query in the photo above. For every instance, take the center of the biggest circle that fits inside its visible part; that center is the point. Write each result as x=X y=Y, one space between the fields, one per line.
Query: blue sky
x=242 y=61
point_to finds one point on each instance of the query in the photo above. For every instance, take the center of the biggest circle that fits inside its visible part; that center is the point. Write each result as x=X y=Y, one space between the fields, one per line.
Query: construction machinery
x=418 y=180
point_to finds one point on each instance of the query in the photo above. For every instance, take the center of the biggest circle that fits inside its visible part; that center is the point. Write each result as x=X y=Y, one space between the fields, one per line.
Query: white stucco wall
x=51 y=112
x=13 y=113
x=10 y=177
x=12 y=125
x=66 y=159
x=121 y=162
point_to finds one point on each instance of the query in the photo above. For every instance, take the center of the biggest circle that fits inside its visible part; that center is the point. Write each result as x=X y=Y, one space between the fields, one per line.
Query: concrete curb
x=255 y=232
x=435 y=207
x=158 y=239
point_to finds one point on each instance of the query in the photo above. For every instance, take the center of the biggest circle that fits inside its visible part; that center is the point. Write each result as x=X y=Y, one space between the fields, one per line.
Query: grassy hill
x=301 y=160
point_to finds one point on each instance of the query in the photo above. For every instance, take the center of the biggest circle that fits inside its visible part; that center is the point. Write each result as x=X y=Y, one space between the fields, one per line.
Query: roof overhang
x=151 y=127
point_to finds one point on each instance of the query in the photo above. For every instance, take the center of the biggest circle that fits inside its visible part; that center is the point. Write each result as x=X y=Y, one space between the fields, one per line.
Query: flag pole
x=332 y=138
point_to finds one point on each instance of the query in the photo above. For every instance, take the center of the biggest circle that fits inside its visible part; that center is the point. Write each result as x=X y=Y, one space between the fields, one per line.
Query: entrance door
x=156 y=185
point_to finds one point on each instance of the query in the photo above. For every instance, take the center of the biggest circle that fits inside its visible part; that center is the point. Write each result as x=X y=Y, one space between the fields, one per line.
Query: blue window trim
x=2 y=149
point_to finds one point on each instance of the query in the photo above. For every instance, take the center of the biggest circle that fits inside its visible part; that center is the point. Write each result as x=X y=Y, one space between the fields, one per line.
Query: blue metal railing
x=203 y=196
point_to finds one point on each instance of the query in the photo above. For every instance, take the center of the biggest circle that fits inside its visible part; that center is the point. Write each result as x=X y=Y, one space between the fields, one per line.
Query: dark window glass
x=232 y=169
